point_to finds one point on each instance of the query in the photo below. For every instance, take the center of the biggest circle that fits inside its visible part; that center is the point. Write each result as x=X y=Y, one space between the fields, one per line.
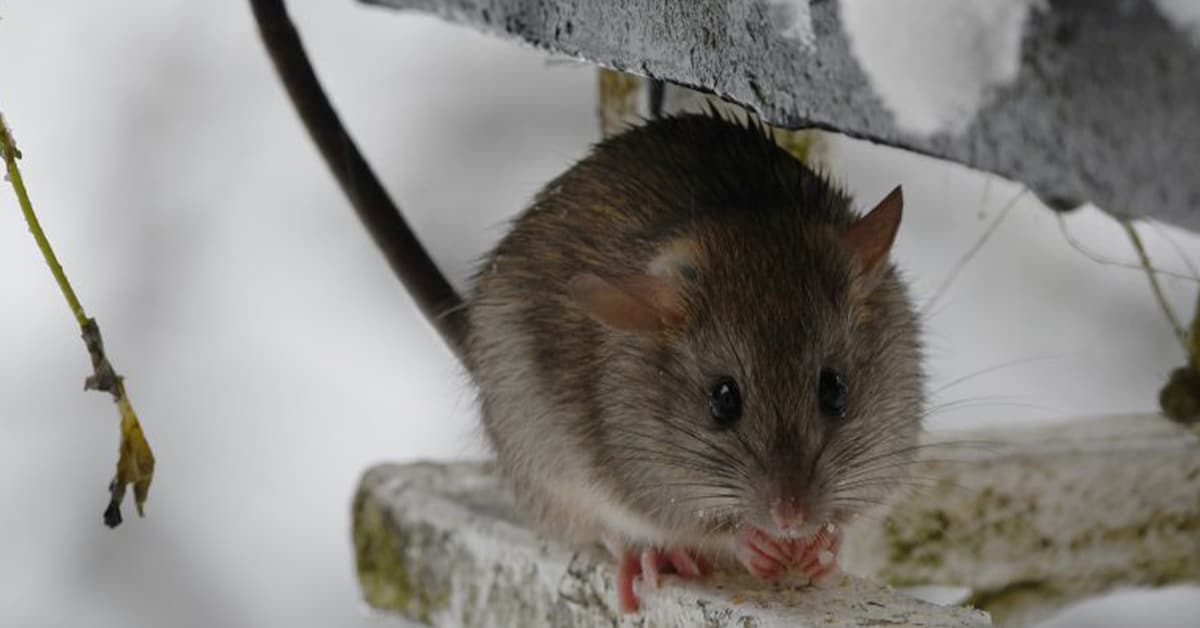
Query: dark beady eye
x=832 y=393
x=725 y=401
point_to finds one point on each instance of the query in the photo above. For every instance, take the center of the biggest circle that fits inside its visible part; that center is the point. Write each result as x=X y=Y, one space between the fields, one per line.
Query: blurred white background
x=273 y=357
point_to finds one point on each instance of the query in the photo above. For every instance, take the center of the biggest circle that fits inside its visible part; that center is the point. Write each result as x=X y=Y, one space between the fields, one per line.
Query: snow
x=1184 y=14
x=935 y=62
x=795 y=19
x=271 y=355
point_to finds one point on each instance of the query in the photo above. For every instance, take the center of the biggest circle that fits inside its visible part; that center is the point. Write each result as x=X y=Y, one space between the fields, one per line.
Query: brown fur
x=576 y=409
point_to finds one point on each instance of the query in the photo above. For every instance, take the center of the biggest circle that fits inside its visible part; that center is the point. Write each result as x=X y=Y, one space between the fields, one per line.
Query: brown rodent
x=690 y=347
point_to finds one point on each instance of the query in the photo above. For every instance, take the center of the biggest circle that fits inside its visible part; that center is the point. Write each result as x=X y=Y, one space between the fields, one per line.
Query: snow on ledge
x=936 y=63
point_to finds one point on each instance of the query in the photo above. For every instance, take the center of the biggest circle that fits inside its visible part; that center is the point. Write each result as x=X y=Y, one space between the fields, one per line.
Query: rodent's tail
x=434 y=295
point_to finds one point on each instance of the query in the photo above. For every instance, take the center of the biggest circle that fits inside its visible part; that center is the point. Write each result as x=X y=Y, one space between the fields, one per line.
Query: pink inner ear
x=633 y=303
x=870 y=238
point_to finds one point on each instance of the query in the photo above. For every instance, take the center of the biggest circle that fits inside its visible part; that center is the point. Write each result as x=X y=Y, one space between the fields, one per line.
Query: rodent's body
x=683 y=251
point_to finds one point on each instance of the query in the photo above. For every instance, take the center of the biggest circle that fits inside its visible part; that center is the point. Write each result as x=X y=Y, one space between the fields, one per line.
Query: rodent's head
x=763 y=370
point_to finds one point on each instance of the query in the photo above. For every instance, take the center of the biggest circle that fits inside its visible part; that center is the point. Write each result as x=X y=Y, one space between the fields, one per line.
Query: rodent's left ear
x=870 y=239
x=632 y=303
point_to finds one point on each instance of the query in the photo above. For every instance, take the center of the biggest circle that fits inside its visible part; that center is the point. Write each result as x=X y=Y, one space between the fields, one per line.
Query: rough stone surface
x=1035 y=518
x=1027 y=519
x=440 y=545
x=1103 y=109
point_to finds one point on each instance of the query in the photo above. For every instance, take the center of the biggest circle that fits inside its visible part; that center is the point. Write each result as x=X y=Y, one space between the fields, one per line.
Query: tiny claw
x=651 y=560
x=683 y=563
x=650 y=563
x=819 y=558
x=769 y=547
x=763 y=569
x=822 y=572
x=627 y=570
x=762 y=555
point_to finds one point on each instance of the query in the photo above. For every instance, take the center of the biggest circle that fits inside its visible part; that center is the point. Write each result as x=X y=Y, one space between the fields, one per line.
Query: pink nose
x=787 y=513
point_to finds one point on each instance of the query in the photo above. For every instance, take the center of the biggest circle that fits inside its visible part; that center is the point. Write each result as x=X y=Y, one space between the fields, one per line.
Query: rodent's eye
x=725 y=402
x=832 y=393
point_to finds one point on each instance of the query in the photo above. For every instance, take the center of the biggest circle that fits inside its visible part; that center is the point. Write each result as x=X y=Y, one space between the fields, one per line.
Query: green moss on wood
x=916 y=541
x=1010 y=595
x=389 y=577
x=1165 y=547
x=380 y=554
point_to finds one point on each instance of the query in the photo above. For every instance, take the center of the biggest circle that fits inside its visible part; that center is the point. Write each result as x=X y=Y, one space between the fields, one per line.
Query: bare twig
x=1183 y=257
x=1108 y=261
x=1154 y=286
x=1179 y=398
x=135 y=463
x=1194 y=338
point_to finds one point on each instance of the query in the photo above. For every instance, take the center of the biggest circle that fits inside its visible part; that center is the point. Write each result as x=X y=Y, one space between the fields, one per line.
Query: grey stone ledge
x=1105 y=106
x=1027 y=519
x=1033 y=518
x=439 y=545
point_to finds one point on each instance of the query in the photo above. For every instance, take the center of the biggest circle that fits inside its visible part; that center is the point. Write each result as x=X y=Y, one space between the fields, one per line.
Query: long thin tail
x=434 y=295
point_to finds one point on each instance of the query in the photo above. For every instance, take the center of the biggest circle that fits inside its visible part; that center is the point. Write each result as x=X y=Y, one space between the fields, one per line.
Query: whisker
x=841 y=460
x=994 y=368
x=671 y=445
x=966 y=404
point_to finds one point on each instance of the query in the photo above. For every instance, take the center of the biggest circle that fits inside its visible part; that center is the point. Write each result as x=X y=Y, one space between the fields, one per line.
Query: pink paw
x=818 y=554
x=763 y=555
x=768 y=557
x=651 y=563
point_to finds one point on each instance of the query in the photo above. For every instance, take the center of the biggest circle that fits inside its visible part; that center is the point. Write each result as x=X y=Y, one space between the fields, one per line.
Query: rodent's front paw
x=818 y=554
x=763 y=555
x=768 y=557
x=651 y=563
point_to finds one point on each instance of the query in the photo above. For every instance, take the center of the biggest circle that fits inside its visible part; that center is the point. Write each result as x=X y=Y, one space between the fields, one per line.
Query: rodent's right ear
x=870 y=239
x=634 y=303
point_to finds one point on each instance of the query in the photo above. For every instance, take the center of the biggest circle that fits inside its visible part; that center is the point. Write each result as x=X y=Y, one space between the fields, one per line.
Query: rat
x=688 y=347
x=691 y=348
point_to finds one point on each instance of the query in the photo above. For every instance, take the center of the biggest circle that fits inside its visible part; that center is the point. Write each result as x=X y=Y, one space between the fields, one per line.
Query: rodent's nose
x=788 y=513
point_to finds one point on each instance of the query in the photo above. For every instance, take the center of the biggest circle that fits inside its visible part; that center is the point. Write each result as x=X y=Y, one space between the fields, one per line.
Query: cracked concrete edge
x=439 y=545
x=1079 y=123
x=1034 y=518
